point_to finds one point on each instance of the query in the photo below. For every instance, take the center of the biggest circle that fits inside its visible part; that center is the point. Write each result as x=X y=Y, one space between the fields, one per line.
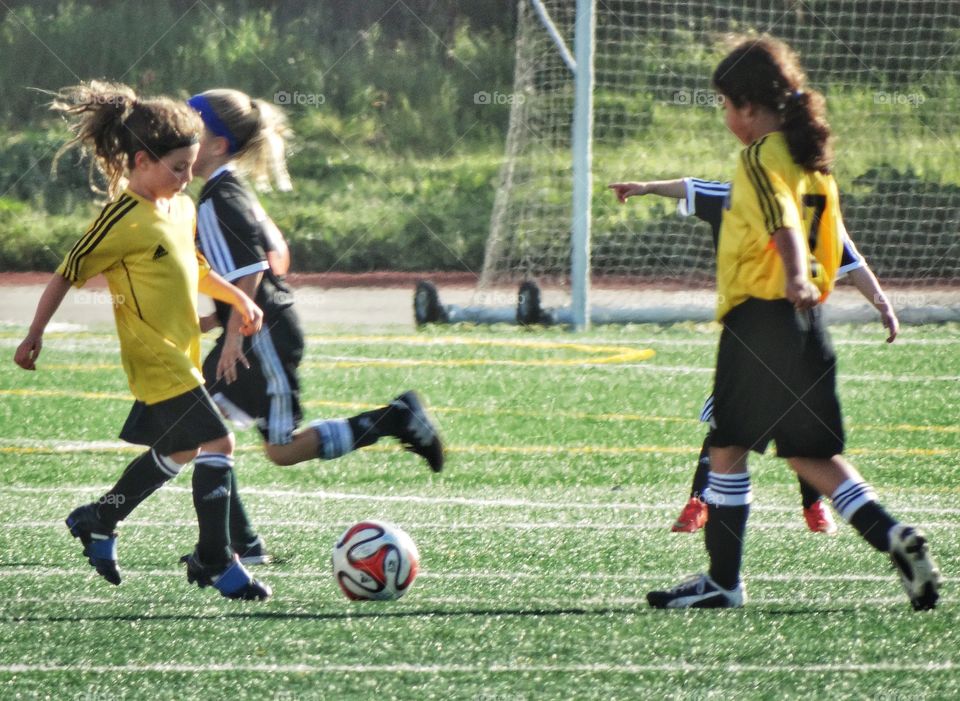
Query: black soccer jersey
x=706 y=199
x=234 y=234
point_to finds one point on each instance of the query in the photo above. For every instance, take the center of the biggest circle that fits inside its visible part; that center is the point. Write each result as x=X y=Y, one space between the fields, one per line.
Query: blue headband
x=212 y=121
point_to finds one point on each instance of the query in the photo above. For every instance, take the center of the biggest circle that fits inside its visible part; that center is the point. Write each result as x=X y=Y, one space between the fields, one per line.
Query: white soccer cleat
x=919 y=574
x=698 y=591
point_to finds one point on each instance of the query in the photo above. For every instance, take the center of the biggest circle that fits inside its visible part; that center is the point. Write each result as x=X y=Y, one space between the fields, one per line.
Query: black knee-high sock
x=699 y=485
x=141 y=478
x=856 y=502
x=211 y=499
x=729 y=499
x=338 y=437
x=874 y=523
x=371 y=426
x=808 y=495
x=242 y=531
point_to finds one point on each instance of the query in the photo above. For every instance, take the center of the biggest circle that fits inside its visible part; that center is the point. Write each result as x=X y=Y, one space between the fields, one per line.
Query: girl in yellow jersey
x=778 y=254
x=143 y=243
x=706 y=199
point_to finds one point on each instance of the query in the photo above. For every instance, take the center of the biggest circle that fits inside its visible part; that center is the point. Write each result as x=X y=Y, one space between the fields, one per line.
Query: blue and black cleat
x=99 y=543
x=231 y=579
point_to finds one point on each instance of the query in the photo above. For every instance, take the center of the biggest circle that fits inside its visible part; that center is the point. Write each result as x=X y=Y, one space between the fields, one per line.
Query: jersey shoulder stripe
x=772 y=213
x=750 y=171
x=106 y=212
x=96 y=234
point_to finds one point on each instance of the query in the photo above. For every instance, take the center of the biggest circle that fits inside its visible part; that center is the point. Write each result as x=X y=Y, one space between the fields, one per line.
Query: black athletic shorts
x=181 y=423
x=776 y=380
x=269 y=390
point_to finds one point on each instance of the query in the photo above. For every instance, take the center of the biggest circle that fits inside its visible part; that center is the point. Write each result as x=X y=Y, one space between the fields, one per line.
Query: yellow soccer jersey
x=152 y=267
x=771 y=192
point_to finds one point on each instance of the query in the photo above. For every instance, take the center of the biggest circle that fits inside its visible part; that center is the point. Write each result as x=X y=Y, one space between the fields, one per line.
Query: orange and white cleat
x=819 y=519
x=692 y=518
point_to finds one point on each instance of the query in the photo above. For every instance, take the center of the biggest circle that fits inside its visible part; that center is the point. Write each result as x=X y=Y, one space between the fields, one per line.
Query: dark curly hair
x=764 y=71
x=113 y=123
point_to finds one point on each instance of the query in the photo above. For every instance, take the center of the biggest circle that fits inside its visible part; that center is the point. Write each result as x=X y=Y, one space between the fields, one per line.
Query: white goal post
x=632 y=101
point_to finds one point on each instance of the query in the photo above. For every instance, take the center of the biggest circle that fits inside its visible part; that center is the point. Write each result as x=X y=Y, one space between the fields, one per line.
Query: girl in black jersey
x=255 y=379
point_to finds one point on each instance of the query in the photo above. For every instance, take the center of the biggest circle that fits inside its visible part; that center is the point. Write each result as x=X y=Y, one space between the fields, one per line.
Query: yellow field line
x=64 y=393
x=597 y=354
x=81 y=367
x=633 y=356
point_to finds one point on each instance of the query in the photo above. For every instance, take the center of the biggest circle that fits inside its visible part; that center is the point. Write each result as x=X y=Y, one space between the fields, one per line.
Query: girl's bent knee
x=223 y=445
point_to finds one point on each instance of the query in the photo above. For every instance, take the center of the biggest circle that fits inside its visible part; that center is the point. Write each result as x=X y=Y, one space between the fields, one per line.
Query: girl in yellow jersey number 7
x=778 y=254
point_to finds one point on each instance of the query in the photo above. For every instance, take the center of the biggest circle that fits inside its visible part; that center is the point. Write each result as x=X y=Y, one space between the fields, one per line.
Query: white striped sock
x=336 y=437
x=215 y=460
x=850 y=496
x=165 y=464
x=728 y=490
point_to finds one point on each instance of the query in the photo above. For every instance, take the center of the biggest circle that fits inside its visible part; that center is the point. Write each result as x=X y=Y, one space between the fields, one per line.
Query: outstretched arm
x=868 y=285
x=29 y=349
x=665 y=188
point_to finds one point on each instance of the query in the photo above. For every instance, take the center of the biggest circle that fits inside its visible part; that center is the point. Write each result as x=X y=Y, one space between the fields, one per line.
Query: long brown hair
x=112 y=123
x=765 y=72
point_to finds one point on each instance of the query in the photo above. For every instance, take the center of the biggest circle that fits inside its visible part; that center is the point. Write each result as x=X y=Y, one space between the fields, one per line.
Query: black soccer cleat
x=99 y=543
x=253 y=553
x=419 y=433
x=231 y=579
x=919 y=574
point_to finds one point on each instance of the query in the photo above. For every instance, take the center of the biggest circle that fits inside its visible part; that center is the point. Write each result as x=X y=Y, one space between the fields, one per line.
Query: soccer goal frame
x=624 y=86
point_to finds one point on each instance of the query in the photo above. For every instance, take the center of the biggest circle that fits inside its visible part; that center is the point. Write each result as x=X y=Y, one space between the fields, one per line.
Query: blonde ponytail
x=256 y=131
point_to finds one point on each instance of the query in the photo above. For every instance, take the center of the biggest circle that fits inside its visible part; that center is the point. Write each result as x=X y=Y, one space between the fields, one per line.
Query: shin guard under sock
x=242 y=532
x=141 y=478
x=728 y=498
x=211 y=499
x=699 y=485
x=808 y=495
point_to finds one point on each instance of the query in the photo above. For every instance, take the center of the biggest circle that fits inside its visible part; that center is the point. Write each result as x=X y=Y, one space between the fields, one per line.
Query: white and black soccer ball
x=375 y=560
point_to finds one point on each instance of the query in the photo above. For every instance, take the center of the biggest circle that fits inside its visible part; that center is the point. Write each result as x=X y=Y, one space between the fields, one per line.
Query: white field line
x=663 y=577
x=534 y=344
x=841 y=376
x=640 y=602
x=35 y=445
x=463 y=526
x=603 y=668
x=76 y=491
x=648 y=366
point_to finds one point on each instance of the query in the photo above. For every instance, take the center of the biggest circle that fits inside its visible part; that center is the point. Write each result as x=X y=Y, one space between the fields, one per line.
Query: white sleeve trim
x=245 y=270
x=212 y=241
x=855 y=265
x=858 y=260
x=688 y=205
